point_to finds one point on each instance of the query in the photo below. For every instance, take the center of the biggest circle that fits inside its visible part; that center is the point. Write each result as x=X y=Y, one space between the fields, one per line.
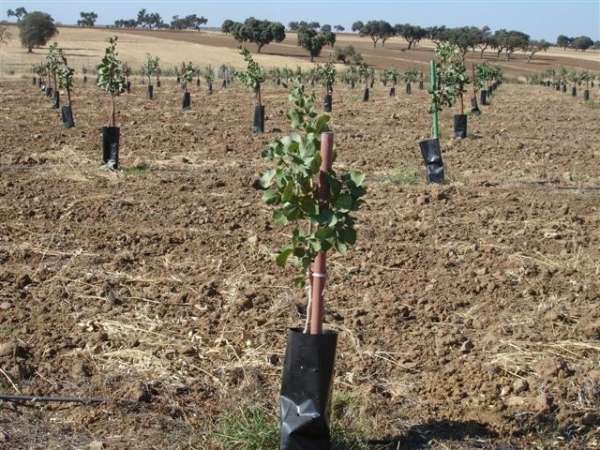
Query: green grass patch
x=403 y=175
x=248 y=429
x=257 y=428
x=137 y=170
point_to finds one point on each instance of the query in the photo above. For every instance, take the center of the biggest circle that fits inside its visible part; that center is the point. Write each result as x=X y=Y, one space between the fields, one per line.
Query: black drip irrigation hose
x=43 y=399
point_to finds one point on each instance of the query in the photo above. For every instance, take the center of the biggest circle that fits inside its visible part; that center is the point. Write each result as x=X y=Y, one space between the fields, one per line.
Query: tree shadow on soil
x=420 y=436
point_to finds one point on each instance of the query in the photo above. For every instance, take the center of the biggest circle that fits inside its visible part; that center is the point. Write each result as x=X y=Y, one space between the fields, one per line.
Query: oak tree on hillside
x=411 y=33
x=357 y=26
x=88 y=19
x=535 y=47
x=312 y=41
x=259 y=32
x=36 y=29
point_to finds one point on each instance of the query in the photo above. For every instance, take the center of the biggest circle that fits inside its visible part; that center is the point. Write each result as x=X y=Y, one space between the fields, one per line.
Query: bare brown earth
x=394 y=53
x=468 y=314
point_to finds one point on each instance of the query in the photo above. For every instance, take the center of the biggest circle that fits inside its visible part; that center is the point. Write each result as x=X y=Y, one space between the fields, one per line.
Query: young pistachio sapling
x=158 y=71
x=112 y=80
x=253 y=77
x=53 y=61
x=41 y=71
x=363 y=74
x=209 y=76
x=319 y=224
x=392 y=75
x=574 y=77
x=450 y=59
x=65 y=81
x=149 y=70
x=187 y=77
x=197 y=74
x=327 y=75
x=224 y=75
x=410 y=77
x=441 y=95
x=318 y=204
x=563 y=74
x=483 y=76
x=84 y=71
x=383 y=77
x=586 y=77
x=477 y=85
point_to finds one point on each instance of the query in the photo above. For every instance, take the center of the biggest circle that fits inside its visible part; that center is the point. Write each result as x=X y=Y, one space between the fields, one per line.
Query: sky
x=542 y=19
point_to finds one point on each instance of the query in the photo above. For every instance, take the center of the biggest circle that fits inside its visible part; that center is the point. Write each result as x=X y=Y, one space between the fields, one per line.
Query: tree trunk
x=29 y=49
x=113 y=112
x=462 y=104
x=258 y=96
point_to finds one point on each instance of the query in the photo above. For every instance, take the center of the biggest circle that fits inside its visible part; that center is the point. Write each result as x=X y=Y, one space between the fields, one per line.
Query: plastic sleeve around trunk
x=306 y=391
x=186 y=102
x=258 y=126
x=110 y=146
x=56 y=100
x=328 y=103
x=366 y=95
x=460 y=126
x=432 y=155
x=66 y=115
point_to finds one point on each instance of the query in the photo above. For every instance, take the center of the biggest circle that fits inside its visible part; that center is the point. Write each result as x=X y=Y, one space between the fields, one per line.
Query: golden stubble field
x=85 y=47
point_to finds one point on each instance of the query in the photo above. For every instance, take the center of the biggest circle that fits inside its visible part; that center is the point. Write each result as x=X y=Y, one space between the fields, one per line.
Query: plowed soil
x=468 y=313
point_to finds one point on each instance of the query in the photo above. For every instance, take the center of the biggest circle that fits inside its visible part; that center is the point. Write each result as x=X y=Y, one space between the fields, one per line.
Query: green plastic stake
x=434 y=86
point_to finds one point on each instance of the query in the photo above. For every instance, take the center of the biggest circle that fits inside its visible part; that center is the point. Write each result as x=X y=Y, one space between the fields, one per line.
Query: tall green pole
x=434 y=85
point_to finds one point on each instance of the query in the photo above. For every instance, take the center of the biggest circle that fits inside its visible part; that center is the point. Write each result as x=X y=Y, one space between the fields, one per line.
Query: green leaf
x=341 y=247
x=279 y=218
x=344 y=202
x=283 y=256
x=358 y=178
x=270 y=197
x=324 y=233
x=321 y=123
x=267 y=178
x=348 y=235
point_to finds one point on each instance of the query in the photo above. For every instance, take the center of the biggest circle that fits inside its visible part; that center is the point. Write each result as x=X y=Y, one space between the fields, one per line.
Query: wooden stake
x=319 y=267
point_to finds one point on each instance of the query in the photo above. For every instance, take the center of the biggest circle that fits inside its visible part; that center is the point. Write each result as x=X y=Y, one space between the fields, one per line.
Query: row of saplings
x=318 y=204
x=448 y=82
x=561 y=78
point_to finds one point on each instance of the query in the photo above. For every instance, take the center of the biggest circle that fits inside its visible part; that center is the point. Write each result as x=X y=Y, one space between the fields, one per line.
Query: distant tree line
x=154 y=21
x=465 y=38
x=577 y=43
